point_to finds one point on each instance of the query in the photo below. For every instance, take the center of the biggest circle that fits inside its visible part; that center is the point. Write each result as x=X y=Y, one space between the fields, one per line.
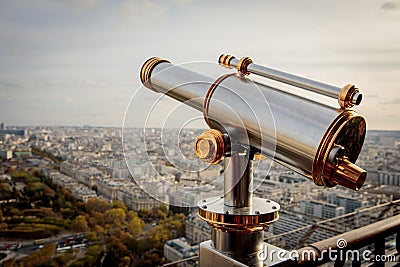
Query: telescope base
x=270 y=256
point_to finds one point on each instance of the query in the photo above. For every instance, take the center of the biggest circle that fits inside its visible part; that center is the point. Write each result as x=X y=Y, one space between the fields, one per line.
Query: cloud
x=92 y=114
x=390 y=6
x=81 y=5
x=139 y=12
x=393 y=101
x=182 y=2
x=95 y=83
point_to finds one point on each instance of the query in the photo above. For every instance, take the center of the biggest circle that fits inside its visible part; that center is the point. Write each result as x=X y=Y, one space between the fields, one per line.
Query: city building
x=83 y=193
x=389 y=178
x=179 y=248
x=6 y=154
x=293 y=223
x=349 y=203
x=62 y=180
x=108 y=188
x=23 y=151
x=134 y=198
x=320 y=209
x=13 y=132
x=197 y=230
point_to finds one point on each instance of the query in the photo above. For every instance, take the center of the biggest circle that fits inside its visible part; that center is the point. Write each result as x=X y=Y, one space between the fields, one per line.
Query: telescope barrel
x=347 y=96
x=313 y=139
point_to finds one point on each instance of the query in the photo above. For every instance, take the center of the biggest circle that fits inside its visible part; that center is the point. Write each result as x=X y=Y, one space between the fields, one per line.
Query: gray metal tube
x=181 y=84
x=238 y=182
x=240 y=245
x=284 y=77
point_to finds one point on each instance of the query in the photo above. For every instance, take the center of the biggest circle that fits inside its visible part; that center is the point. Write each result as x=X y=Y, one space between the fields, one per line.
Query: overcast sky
x=76 y=62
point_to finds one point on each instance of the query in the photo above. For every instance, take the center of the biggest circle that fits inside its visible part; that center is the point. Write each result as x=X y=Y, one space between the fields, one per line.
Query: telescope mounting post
x=237 y=219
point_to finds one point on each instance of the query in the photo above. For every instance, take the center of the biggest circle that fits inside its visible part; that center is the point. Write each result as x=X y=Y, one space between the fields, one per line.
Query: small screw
x=204 y=200
x=221 y=197
x=268 y=200
x=257 y=212
x=274 y=207
x=227 y=212
x=204 y=207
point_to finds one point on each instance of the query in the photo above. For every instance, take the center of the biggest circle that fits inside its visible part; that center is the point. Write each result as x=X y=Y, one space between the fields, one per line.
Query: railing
x=336 y=225
x=347 y=246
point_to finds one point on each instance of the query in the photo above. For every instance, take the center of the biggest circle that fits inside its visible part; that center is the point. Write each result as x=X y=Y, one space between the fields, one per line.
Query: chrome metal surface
x=294 y=80
x=179 y=83
x=237 y=242
x=356 y=99
x=300 y=124
x=238 y=180
x=210 y=257
x=336 y=153
x=262 y=213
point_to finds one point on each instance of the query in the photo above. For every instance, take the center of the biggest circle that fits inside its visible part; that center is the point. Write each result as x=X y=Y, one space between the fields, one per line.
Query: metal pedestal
x=237 y=219
x=270 y=256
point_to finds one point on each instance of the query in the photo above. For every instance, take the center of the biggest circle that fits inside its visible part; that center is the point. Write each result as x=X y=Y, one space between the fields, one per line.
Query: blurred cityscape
x=89 y=162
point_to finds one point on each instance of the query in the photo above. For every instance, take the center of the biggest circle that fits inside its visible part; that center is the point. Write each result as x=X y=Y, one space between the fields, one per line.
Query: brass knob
x=210 y=146
x=258 y=156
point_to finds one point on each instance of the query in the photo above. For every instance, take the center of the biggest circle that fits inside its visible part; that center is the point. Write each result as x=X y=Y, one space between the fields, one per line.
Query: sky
x=77 y=62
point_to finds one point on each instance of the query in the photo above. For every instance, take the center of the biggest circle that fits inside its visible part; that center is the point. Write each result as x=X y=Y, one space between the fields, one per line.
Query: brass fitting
x=334 y=166
x=210 y=146
x=349 y=96
x=224 y=60
x=258 y=157
x=349 y=175
x=244 y=62
x=147 y=68
x=208 y=97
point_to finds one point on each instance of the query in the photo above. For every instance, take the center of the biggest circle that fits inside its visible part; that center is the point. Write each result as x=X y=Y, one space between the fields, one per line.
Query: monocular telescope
x=248 y=121
x=316 y=140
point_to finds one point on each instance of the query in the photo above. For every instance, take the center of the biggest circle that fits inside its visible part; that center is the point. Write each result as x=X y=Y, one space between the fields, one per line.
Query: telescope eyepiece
x=349 y=175
x=349 y=96
x=356 y=99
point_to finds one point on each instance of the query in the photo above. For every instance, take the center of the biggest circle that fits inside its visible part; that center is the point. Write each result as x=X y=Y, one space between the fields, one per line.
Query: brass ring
x=209 y=94
x=244 y=62
x=225 y=220
x=346 y=95
x=225 y=60
x=336 y=134
x=147 y=68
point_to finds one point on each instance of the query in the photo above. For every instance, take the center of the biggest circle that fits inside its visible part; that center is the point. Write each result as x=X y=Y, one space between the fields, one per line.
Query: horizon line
x=137 y=127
